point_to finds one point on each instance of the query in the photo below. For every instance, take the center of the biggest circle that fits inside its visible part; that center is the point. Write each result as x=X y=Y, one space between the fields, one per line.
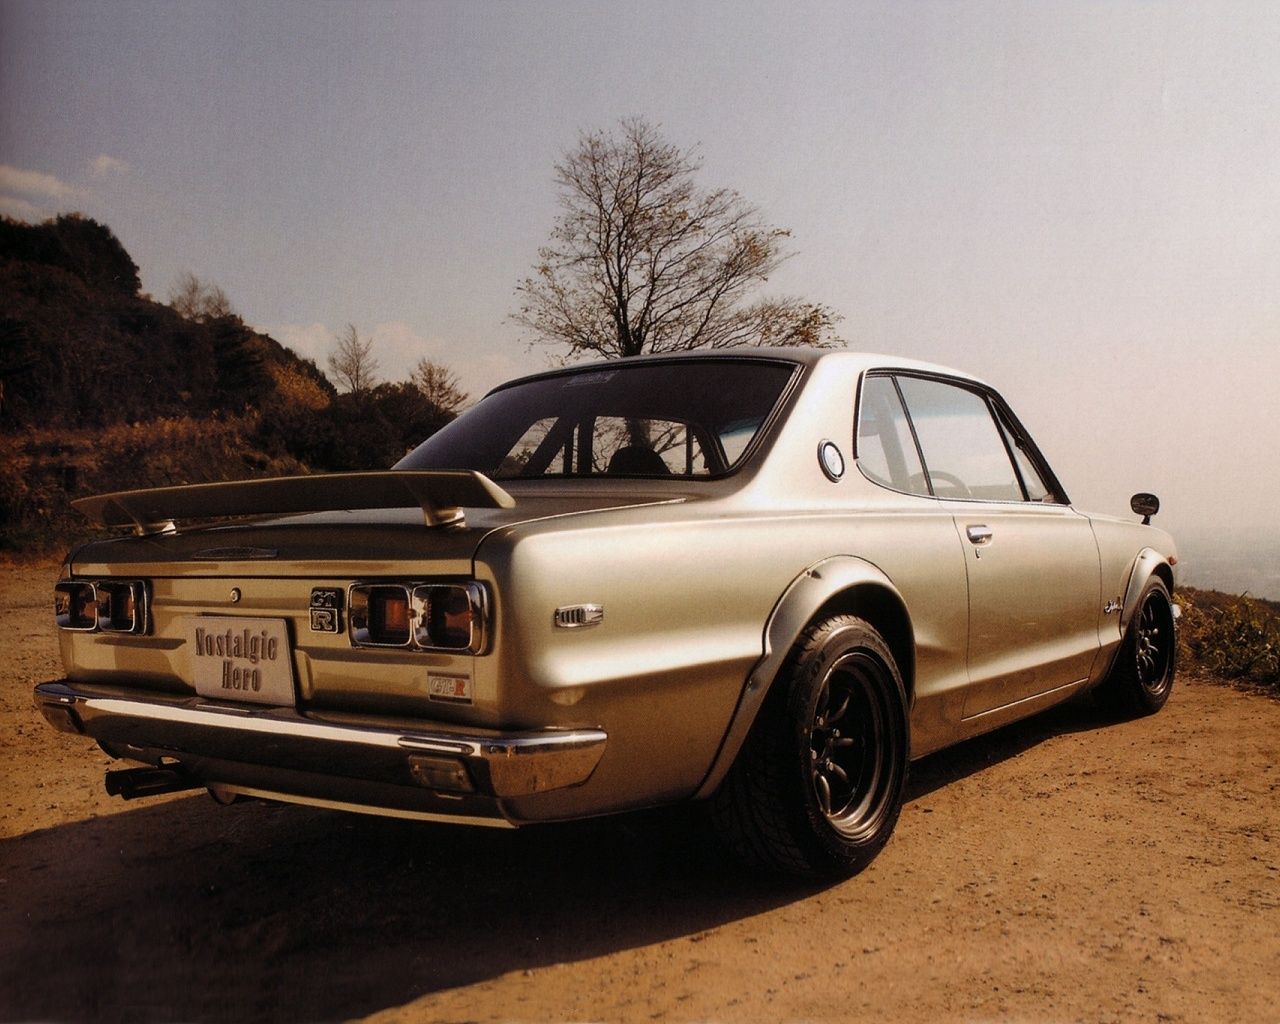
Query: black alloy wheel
x=817 y=787
x=1153 y=645
x=851 y=745
x=1141 y=678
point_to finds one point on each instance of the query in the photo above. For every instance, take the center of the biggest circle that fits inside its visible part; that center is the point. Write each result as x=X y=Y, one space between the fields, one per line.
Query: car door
x=1031 y=560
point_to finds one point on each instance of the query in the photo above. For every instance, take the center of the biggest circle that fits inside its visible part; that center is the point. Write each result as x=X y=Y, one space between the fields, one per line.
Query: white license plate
x=241 y=659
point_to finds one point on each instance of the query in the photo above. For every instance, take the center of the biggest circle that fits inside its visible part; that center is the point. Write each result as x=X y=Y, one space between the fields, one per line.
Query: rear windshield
x=691 y=418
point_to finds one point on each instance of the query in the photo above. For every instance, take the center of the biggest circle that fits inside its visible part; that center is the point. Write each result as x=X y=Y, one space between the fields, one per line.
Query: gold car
x=765 y=580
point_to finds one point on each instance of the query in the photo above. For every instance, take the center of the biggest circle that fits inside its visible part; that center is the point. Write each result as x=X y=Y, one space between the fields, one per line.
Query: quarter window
x=886 y=450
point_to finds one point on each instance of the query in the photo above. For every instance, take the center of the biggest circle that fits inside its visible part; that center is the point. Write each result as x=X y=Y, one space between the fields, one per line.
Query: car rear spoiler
x=441 y=494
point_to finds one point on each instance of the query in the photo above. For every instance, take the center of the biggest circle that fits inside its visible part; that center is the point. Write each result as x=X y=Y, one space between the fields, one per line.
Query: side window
x=886 y=450
x=1032 y=481
x=964 y=452
x=736 y=435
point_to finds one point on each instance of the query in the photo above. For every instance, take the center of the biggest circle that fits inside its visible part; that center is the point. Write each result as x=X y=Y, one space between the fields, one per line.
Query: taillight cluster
x=419 y=616
x=111 y=606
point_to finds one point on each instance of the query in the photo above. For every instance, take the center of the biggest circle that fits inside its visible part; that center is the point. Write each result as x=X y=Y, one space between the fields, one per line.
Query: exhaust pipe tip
x=134 y=783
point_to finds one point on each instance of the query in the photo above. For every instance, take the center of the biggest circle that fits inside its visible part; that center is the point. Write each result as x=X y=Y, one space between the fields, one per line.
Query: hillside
x=102 y=388
x=82 y=346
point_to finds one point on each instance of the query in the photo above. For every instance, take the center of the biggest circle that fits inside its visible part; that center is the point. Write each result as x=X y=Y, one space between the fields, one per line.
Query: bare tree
x=197 y=300
x=351 y=364
x=439 y=386
x=643 y=260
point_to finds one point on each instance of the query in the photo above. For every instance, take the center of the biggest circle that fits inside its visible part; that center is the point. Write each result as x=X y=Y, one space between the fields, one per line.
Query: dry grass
x=41 y=471
x=1235 y=638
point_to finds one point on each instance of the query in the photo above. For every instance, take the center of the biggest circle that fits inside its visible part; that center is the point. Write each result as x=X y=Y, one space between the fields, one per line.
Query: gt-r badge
x=326 y=603
x=456 y=689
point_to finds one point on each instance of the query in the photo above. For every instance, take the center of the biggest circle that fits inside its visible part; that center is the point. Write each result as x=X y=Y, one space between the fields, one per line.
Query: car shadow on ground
x=972 y=756
x=186 y=911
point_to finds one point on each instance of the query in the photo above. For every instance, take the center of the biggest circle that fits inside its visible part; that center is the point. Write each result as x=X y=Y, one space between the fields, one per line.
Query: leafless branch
x=643 y=260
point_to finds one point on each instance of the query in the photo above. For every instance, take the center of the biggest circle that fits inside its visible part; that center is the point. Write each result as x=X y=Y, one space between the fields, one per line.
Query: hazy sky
x=1078 y=201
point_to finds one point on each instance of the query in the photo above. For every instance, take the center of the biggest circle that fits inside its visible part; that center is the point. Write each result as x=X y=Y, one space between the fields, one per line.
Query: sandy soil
x=1066 y=869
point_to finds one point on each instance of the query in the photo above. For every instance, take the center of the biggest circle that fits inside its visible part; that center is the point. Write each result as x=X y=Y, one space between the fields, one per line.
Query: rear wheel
x=1141 y=679
x=817 y=787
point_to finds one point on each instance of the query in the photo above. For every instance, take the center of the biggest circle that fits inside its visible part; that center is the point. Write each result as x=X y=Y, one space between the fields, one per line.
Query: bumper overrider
x=383 y=766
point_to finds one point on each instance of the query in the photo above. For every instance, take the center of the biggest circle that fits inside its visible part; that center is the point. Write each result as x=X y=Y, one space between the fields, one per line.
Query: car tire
x=817 y=787
x=1141 y=678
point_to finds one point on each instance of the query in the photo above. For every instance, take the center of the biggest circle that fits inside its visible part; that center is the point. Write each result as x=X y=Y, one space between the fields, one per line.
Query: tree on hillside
x=352 y=365
x=439 y=386
x=201 y=301
x=241 y=377
x=642 y=259
x=78 y=245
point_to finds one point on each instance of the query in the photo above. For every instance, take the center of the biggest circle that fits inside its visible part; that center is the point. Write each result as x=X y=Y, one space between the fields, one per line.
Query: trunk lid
x=371 y=542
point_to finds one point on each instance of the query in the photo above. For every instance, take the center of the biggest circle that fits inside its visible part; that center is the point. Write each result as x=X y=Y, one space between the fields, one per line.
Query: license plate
x=241 y=659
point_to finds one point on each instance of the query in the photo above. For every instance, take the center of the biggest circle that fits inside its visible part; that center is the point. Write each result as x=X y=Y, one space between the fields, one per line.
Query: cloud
x=20 y=209
x=484 y=372
x=398 y=347
x=311 y=341
x=103 y=165
x=35 y=183
x=41 y=191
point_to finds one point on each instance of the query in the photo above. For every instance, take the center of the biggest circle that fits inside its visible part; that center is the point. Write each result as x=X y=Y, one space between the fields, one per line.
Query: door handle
x=978 y=534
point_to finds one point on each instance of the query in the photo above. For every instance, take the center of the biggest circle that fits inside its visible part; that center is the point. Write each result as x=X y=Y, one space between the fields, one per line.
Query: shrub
x=42 y=471
x=1234 y=638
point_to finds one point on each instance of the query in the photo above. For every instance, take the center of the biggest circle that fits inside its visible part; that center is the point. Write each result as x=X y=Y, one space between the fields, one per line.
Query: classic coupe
x=764 y=580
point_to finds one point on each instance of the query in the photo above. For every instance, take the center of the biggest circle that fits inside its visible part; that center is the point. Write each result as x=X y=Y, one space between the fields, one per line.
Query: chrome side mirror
x=1145 y=505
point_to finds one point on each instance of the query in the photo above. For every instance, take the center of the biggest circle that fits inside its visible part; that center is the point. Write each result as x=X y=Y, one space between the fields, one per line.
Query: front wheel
x=1142 y=677
x=817 y=788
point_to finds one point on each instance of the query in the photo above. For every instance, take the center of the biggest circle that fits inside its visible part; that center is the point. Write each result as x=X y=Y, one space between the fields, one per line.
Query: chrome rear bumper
x=381 y=765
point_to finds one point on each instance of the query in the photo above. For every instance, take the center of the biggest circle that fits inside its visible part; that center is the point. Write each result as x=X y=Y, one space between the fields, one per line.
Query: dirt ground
x=1065 y=869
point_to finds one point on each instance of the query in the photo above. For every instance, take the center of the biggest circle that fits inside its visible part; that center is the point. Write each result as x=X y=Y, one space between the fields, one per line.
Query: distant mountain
x=1238 y=560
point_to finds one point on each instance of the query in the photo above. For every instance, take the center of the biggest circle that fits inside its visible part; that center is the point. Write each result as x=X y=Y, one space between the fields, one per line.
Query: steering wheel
x=919 y=484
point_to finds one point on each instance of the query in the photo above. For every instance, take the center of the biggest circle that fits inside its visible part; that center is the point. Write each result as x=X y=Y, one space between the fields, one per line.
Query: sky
x=1079 y=202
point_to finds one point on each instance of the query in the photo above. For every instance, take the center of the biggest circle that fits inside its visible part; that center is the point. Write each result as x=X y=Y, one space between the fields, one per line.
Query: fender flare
x=1147 y=562
x=794 y=610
